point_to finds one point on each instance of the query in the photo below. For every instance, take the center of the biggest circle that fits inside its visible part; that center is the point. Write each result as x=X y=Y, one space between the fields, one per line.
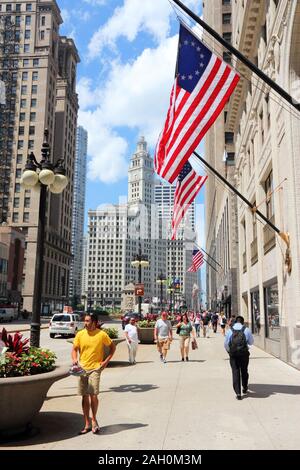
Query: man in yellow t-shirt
x=90 y=344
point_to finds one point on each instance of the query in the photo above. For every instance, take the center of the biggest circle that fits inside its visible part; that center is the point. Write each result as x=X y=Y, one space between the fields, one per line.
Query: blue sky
x=128 y=55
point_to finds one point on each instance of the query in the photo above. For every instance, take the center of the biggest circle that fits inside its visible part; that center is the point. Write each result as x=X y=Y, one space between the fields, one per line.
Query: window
x=18 y=7
x=227 y=57
x=15 y=217
x=269 y=195
x=226 y=2
x=19 y=158
x=33 y=102
x=32 y=117
x=28 y=7
x=227 y=37
x=25 y=76
x=23 y=103
x=18 y=23
x=28 y=20
x=272 y=312
x=31 y=130
x=255 y=312
x=8 y=7
x=21 y=130
x=26 y=47
x=226 y=18
x=16 y=202
x=27 y=33
x=34 y=89
x=35 y=76
x=229 y=137
x=24 y=90
x=36 y=62
x=25 y=62
x=42 y=35
x=20 y=144
x=43 y=20
x=27 y=202
x=31 y=144
x=18 y=173
x=17 y=187
x=26 y=217
x=22 y=117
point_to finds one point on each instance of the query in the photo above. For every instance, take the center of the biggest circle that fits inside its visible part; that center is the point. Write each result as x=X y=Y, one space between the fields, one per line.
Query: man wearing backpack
x=237 y=341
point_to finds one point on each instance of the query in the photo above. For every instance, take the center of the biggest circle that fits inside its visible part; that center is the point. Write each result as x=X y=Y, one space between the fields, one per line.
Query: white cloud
x=65 y=14
x=135 y=96
x=132 y=18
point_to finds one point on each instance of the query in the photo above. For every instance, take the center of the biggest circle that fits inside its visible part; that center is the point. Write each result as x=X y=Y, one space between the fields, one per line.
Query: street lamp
x=48 y=176
x=140 y=261
x=170 y=291
x=161 y=280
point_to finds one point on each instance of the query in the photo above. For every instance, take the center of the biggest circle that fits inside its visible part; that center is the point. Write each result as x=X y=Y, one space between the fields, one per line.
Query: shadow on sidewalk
x=136 y=388
x=190 y=360
x=113 y=363
x=50 y=426
x=114 y=428
x=266 y=390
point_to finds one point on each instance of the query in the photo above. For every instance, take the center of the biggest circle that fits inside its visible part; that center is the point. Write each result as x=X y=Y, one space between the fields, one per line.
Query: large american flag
x=187 y=188
x=198 y=260
x=202 y=86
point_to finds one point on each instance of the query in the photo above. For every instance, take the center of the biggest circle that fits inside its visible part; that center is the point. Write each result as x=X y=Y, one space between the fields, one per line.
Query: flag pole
x=210 y=265
x=215 y=261
x=240 y=56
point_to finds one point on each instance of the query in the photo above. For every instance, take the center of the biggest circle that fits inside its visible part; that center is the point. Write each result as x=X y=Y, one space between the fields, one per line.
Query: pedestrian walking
x=237 y=341
x=205 y=319
x=184 y=328
x=89 y=343
x=197 y=324
x=163 y=335
x=132 y=340
x=214 y=321
x=223 y=322
x=231 y=321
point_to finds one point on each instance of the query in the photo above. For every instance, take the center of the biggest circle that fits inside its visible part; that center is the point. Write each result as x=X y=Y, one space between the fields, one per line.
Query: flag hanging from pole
x=197 y=261
x=202 y=86
x=188 y=186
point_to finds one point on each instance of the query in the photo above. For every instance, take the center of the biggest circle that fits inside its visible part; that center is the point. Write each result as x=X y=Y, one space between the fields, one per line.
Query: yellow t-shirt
x=91 y=347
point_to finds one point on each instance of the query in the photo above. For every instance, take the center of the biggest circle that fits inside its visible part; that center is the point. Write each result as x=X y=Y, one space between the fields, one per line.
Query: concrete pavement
x=177 y=405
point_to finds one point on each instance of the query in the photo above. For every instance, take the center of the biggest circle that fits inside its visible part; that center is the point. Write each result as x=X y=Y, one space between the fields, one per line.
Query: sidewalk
x=177 y=405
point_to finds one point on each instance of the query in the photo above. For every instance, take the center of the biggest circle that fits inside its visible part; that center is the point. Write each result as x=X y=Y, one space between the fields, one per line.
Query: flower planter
x=146 y=335
x=21 y=398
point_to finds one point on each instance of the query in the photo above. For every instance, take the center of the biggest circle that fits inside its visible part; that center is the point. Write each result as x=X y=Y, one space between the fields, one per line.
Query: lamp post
x=140 y=261
x=170 y=291
x=48 y=176
x=161 y=280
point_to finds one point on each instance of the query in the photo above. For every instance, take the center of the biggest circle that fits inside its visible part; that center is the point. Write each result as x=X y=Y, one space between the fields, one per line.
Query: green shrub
x=112 y=332
x=146 y=323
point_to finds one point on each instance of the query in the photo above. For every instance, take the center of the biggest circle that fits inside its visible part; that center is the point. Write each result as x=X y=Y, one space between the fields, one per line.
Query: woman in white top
x=132 y=340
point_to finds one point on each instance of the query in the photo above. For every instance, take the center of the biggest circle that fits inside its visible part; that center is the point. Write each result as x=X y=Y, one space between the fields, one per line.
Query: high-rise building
x=78 y=214
x=220 y=203
x=267 y=144
x=118 y=232
x=44 y=72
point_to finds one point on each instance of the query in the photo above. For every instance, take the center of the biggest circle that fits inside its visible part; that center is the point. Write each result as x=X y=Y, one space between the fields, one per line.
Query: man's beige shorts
x=163 y=343
x=89 y=384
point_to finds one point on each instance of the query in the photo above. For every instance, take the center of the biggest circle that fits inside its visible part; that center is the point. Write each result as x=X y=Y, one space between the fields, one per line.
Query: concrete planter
x=21 y=398
x=115 y=341
x=146 y=335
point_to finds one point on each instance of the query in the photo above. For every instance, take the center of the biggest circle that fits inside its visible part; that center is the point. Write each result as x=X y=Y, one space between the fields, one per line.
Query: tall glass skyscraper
x=78 y=213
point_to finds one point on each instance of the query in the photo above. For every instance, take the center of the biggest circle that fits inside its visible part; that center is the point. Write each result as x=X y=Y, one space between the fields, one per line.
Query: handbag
x=194 y=344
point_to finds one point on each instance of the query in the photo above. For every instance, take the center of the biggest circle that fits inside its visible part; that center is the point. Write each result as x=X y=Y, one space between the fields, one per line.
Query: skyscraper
x=78 y=214
x=43 y=68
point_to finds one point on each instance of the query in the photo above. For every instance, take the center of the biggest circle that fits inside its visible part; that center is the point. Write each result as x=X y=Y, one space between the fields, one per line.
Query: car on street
x=65 y=324
x=126 y=317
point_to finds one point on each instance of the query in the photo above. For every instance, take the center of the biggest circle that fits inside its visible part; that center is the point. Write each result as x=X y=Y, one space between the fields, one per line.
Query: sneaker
x=238 y=397
x=164 y=360
x=161 y=357
x=186 y=358
x=182 y=359
x=245 y=391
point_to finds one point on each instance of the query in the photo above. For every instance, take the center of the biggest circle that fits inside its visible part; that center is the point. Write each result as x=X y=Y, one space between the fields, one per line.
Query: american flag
x=187 y=188
x=202 y=86
x=198 y=260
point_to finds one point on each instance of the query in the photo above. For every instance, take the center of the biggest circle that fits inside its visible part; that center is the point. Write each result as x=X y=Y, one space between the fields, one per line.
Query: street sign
x=139 y=290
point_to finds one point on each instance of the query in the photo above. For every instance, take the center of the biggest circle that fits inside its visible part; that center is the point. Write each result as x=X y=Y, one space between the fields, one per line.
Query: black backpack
x=238 y=345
